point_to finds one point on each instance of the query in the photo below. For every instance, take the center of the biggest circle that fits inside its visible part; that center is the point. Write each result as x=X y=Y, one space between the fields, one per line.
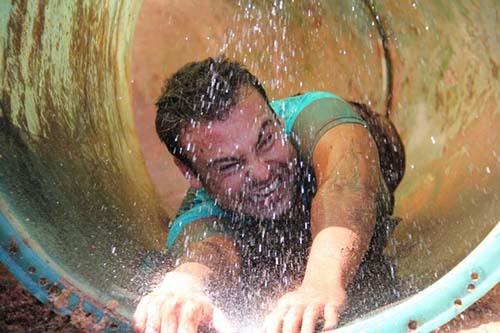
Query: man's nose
x=258 y=171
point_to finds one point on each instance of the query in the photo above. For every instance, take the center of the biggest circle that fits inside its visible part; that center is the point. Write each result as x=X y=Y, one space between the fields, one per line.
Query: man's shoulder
x=196 y=206
x=285 y=106
x=305 y=97
x=310 y=115
x=290 y=107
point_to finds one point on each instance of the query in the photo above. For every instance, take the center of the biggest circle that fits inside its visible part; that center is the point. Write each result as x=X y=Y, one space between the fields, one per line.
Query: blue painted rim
x=444 y=299
x=46 y=285
x=423 y=312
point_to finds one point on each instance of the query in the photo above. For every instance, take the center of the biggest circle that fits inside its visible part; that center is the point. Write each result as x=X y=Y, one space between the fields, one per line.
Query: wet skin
x=246 y=163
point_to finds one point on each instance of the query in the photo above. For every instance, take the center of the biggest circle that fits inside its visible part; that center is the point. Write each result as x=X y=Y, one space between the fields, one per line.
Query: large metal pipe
x=86 y=188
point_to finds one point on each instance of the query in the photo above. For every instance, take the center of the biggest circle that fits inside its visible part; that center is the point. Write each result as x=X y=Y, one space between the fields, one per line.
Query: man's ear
x=188 y=174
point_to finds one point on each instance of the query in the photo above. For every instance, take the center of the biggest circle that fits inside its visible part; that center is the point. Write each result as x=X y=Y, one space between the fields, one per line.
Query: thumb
x=221 y=323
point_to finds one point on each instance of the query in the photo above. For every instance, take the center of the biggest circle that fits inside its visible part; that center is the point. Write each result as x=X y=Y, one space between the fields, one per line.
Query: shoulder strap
x=318 y=114
x=197 y=205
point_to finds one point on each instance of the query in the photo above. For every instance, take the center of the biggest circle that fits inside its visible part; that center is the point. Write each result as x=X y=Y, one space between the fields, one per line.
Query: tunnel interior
x=88 y=187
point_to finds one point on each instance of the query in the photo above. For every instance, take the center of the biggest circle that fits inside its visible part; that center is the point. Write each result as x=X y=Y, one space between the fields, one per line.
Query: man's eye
x=229 y=167
x=267 y=141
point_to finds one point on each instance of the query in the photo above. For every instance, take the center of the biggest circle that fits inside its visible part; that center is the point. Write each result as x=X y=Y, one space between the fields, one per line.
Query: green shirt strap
x=319 y=117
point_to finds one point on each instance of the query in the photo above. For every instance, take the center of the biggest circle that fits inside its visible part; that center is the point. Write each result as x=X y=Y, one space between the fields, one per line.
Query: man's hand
x=178 y=304
x=300 y=310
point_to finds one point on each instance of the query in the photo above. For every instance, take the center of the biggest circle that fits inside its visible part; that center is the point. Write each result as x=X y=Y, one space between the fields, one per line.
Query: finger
x=274 y=321
x=153 y=320
x=331 y=315
x=169 y=315
x=189 y=318
x=140 y=315
x=220 y=322
x=293 y=319
x=169 y=322
x=310 y=317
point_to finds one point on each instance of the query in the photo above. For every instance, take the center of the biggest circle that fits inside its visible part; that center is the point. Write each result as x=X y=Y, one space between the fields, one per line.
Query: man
x=288 y=203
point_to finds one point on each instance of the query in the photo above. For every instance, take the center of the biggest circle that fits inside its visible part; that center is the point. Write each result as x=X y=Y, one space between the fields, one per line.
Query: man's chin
x=267 y=213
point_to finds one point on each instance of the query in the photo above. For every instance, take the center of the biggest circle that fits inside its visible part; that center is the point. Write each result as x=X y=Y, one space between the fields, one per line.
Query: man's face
x=245 y=161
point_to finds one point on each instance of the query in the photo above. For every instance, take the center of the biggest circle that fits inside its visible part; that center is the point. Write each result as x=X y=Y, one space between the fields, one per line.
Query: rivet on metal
x=42 y=281
x=412 y=325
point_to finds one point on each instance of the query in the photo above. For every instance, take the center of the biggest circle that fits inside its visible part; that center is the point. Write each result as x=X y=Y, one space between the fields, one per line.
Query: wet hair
x=200 y=91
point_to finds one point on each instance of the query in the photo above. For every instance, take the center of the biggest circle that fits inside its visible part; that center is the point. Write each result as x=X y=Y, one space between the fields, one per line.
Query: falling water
x=86 y=184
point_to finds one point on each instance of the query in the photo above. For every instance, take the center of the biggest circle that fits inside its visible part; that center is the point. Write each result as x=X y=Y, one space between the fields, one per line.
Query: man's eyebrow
x=265 y=123
x=222 y=160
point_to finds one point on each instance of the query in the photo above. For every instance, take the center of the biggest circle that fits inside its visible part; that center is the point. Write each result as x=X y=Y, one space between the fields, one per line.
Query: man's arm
x=179 y=302
x=344 y=209
x=343 y=216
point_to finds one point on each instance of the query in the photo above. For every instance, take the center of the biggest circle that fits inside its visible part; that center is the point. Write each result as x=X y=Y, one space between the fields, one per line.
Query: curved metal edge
x=49 y=288
x=423 y=312
x=444 y=299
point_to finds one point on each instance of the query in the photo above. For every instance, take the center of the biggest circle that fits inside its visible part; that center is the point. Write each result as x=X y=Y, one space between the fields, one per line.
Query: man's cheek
x=225 y=190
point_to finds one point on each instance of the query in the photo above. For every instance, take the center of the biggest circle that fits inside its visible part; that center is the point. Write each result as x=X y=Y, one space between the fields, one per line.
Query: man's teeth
x=269 y=189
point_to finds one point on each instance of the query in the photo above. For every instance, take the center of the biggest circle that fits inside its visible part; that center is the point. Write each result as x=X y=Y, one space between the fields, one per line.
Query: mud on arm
x=343 y=212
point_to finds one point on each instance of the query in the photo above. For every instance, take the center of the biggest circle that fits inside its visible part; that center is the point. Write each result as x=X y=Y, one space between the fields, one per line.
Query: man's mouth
x=266 y=191
x=273 y=199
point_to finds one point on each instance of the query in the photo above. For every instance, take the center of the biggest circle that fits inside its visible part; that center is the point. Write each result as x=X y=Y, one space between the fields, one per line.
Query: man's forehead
x=216 y=133
x=205 y=133
x=240 y=122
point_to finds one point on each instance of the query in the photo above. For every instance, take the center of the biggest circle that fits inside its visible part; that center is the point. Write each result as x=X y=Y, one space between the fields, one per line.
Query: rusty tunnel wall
x=79 y=186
